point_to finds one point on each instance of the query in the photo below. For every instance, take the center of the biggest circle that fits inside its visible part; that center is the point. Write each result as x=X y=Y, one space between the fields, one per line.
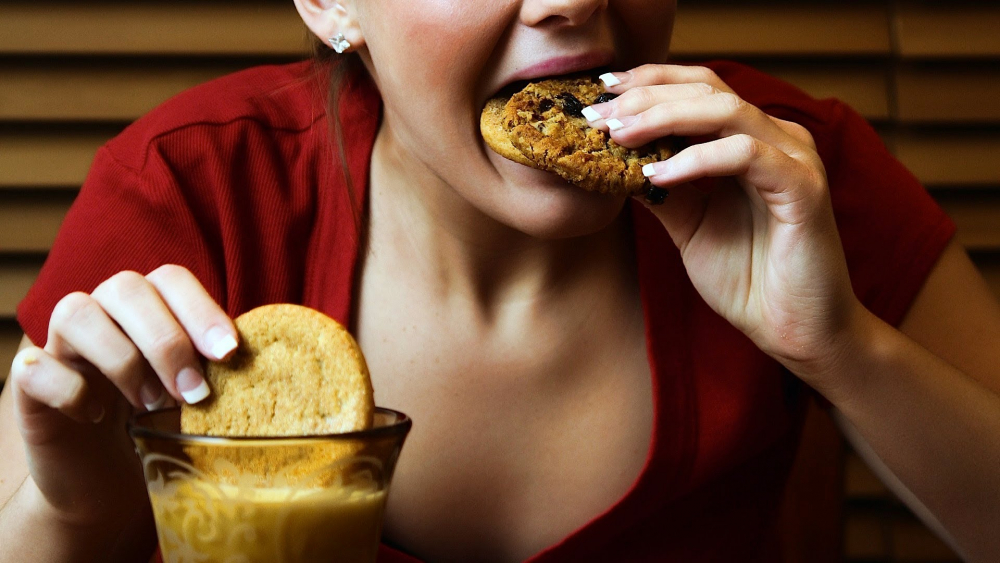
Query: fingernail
x=649 y=170
x=613 y=78
x=221 y=342
x=590 y=114
x=95 y=412
x=152 y=395
x=192 y=386
x=615 y=124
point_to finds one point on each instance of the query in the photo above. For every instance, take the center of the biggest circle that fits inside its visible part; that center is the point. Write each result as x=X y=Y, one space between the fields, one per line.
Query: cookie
x=541 y=126
x=296 y=372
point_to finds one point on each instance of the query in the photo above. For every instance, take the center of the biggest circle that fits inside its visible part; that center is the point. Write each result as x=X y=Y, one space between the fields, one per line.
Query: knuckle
x=802 y=134
x=71 y=308
x=707 y=75
x=635 y=98
x=647 y=68
x=168 y=344
x=168 y=273
x=123 y=285
x=124 y=365
x=733 y=104
x=705 y=88
x=746 y=146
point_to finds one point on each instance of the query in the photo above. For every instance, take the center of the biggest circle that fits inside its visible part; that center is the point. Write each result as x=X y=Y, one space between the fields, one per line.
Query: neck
x=431 y=233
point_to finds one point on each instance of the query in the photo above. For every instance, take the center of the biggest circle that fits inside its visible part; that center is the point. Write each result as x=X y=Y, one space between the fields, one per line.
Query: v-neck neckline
x=671 y=450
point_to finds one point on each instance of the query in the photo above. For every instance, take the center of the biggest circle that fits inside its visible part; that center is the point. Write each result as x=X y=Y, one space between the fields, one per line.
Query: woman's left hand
x=761 y=246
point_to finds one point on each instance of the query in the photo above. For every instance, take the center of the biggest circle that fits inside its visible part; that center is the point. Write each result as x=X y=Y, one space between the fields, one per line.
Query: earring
x=339 y=44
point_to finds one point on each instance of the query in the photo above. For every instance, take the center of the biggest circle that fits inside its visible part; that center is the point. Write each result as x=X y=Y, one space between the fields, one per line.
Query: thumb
x=63 y=422
x=681 y=213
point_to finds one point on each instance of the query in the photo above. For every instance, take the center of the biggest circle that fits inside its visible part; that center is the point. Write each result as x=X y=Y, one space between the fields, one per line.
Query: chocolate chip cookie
x=541 y=126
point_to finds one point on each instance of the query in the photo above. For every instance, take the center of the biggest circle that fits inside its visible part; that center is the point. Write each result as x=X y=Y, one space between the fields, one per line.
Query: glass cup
x=290 y=499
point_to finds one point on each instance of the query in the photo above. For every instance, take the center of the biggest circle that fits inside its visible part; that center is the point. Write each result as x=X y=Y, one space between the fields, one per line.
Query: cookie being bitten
x=296 y=372
x=541 y=126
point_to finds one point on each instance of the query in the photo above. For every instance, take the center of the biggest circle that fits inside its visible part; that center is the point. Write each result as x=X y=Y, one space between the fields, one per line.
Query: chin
x=545 y=206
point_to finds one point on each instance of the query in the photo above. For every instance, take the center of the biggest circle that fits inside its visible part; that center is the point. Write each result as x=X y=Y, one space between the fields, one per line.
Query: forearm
x=935 y=428
x=29 y=533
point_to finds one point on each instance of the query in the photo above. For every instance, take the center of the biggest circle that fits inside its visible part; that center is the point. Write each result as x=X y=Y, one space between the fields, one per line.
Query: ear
x=327 y=18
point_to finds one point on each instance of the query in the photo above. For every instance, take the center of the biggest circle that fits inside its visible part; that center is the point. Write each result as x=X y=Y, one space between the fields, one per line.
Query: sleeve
x=122 y=219
x=892 y=231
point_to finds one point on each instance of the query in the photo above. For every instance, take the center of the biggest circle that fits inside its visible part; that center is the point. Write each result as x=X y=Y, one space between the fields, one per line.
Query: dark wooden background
x=927 y=75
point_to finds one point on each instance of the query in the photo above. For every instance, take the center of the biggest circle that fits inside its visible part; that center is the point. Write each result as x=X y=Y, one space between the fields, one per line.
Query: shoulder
x=260 y=101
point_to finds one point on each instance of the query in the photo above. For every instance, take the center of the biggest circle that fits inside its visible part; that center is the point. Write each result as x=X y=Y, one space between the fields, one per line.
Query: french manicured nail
x=152 y=395
x=649 y=170
x=192 y=386
x=590 y=114
x=613 y=78
x=615 y=124
x=221 y=342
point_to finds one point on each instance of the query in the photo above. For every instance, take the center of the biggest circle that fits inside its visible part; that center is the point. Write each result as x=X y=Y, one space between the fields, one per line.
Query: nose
x=560 y=12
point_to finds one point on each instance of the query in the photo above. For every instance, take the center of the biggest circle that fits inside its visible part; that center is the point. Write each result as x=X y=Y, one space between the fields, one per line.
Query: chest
x=520 y=436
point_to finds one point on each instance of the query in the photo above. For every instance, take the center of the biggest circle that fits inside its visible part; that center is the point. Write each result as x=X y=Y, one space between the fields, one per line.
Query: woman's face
x=437 y=62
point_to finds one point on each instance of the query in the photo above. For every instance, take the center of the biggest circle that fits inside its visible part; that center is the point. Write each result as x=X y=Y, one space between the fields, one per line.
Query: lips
x=555 y=67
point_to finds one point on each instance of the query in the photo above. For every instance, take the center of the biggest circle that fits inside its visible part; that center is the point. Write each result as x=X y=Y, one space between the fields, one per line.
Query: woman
x=589 y=379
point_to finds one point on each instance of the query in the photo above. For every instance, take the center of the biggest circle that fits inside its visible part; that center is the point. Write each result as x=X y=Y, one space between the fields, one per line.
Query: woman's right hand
x=131 y=344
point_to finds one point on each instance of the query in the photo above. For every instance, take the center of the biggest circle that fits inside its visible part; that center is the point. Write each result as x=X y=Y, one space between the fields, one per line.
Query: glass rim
x=137 y=429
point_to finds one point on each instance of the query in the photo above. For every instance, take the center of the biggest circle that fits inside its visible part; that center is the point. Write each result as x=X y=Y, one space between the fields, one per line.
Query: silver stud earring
x=339 y=44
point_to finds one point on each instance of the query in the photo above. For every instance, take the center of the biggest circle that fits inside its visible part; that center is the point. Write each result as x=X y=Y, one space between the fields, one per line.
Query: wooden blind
x=927 y=74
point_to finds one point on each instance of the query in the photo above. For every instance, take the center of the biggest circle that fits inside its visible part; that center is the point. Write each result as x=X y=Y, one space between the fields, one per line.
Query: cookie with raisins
x=541 y=126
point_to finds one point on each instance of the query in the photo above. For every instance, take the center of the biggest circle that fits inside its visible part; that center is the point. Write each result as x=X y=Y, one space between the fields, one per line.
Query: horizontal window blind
x=927 y=75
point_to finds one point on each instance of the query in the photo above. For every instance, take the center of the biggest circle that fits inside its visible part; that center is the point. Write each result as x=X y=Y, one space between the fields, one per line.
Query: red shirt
x=237 y=181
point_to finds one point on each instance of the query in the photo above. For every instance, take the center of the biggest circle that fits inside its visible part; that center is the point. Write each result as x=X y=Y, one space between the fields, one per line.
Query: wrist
x=840 y=372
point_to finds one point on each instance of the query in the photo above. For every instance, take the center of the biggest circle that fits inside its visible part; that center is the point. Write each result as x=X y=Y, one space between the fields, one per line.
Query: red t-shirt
x=237 y=181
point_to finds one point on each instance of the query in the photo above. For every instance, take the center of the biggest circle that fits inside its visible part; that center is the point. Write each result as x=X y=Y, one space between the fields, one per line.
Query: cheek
x=428 y=57
x=431 y=46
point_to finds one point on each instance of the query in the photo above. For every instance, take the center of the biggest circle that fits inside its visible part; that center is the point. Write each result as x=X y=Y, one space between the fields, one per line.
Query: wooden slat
x=30 y=222
x=938 y=29
x=913 y=542
x=976 y=216
x=36 y=157
x=949 y=93
x=865 y=87
x=10 y=338
x=108 y=91
x=865 y=537
x=989 y=267
x=751 y=29
x=950 y=157
x=155 y=28
x=15 y=279
x=860 y=482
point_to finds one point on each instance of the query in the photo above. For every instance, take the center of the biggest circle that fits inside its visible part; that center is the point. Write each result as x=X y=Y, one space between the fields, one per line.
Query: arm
x=921 y=405
x=759 y=241
x=71 y=487
x=23 y=518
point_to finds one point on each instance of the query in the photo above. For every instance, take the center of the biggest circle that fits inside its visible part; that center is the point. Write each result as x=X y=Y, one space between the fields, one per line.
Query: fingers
x=80 y=331
x=785 y=184
x=656 y=101
x=720 y=114
x=637 y=100
x=46 y=383
x=208 y=326
x=144 y=334
x=650 y=74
